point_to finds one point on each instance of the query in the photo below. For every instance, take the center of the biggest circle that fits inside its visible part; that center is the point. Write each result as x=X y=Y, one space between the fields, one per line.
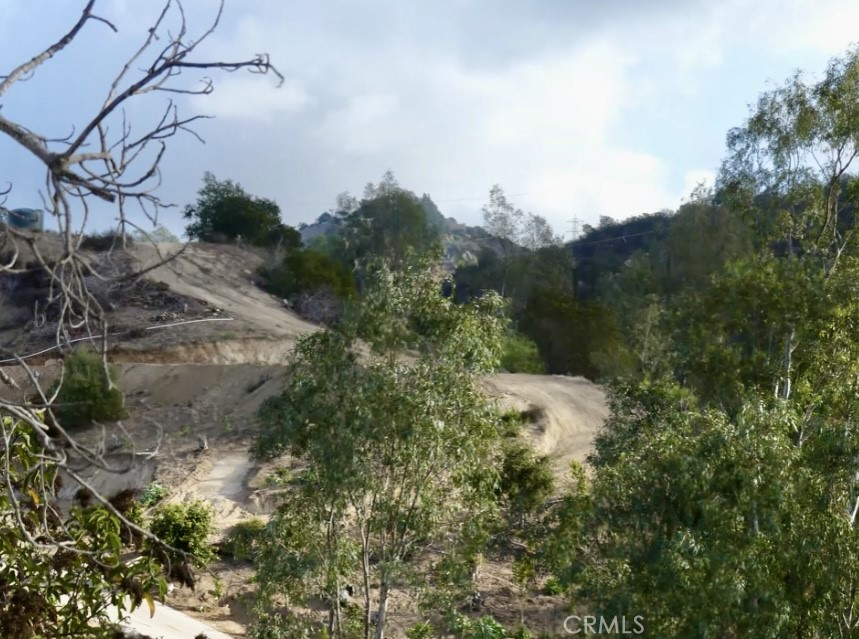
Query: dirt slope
x=166 y=623
x=570 y=409
x=223 y=276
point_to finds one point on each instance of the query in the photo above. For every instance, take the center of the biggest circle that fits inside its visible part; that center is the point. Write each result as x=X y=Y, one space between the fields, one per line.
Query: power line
x=614 y=239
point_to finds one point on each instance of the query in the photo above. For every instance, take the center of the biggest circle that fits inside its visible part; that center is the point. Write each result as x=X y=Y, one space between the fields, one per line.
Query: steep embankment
x=223 y=276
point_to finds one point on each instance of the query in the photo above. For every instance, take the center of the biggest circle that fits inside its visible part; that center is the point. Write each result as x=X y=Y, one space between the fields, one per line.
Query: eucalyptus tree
x=726 y=483
x=386 y=413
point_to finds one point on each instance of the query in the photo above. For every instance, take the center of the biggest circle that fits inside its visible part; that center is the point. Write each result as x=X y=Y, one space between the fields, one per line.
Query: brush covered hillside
x=387 y=425
x=198 y=347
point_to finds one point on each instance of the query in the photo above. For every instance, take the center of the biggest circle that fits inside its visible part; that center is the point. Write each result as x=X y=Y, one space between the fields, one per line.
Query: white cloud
x=791 y=26
x=546 y=109
x=363 y=125
x=252 y=99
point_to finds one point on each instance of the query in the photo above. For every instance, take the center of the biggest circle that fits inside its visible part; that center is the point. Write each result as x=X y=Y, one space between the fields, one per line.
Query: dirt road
x=571 y=409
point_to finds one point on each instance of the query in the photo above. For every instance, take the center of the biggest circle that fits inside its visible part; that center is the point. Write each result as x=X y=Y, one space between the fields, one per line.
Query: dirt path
x=227 y=479
x=167 y=623
x=572 y=410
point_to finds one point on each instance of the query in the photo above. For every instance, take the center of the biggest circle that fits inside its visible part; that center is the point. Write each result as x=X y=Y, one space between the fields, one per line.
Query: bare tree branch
x=101 y=158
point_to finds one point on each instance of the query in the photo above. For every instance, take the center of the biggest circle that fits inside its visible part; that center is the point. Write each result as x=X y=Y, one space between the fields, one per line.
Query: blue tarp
x=30 y=219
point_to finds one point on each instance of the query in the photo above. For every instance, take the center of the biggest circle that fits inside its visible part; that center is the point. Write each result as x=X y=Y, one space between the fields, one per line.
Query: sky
x=576 y=108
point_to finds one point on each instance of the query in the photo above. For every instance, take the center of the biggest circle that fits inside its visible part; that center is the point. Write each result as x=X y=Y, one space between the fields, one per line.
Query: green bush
x=521 y=355
x=186 y=528
x=85 y=395
x=152 y=494
x=522 y=633
x=421 y=630
x=307 y=270
x=511 y=423
x=109 y=240
x=243 y=540
x=279 y=477
x=526 y=480
x=485 y=627
x=553 y=587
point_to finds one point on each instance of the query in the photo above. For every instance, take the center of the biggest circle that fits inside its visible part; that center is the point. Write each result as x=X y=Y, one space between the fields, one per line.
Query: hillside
x=461 y=243
x=199 y=347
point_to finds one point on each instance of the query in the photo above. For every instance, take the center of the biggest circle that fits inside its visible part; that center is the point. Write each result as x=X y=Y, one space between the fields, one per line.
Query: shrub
x=186 y=528
x=553 y=586
x=522 y=633
x=243 y=540
x=485 y=627
x=280 y=476
x=101 y=242
x=85 y=395
x=526 y=480
x=511 y=423
x=309 y=270
x=521 y=355
x=152 y=494
x=420 y=630
x=512 y=420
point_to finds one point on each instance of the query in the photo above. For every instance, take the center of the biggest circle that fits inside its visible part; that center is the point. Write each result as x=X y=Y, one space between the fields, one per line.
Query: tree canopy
x=391 y=223
x=224 y=211
x=398 y=453
x=724 y=499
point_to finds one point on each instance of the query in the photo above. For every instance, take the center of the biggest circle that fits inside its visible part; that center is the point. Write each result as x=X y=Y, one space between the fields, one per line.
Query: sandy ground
x=166 y=623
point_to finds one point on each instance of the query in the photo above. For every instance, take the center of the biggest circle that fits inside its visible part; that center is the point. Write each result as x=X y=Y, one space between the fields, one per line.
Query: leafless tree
x=106 y=159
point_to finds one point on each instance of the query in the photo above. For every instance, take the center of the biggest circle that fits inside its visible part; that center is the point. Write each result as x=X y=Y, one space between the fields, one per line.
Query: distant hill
x=608 y=247
x=461 y=243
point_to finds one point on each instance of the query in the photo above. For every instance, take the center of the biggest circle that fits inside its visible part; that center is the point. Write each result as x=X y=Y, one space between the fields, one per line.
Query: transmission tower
x=574 y=228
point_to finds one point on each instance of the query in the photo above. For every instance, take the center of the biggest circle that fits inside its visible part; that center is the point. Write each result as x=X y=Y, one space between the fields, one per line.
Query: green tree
x=389 y=223
x=399 y=452
x=225 y=212
x=729 y=474
x=521 y=355
x=307 y=270
x=501 y=218
x=515 y=229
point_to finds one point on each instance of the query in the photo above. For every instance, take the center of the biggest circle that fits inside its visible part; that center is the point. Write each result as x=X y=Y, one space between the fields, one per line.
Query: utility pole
x=574 y=227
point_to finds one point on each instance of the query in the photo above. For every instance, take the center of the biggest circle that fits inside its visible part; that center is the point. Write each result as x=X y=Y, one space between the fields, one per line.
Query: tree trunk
x=788 y=365
x=336 y=628
x=365 y=568
x=381 y=618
